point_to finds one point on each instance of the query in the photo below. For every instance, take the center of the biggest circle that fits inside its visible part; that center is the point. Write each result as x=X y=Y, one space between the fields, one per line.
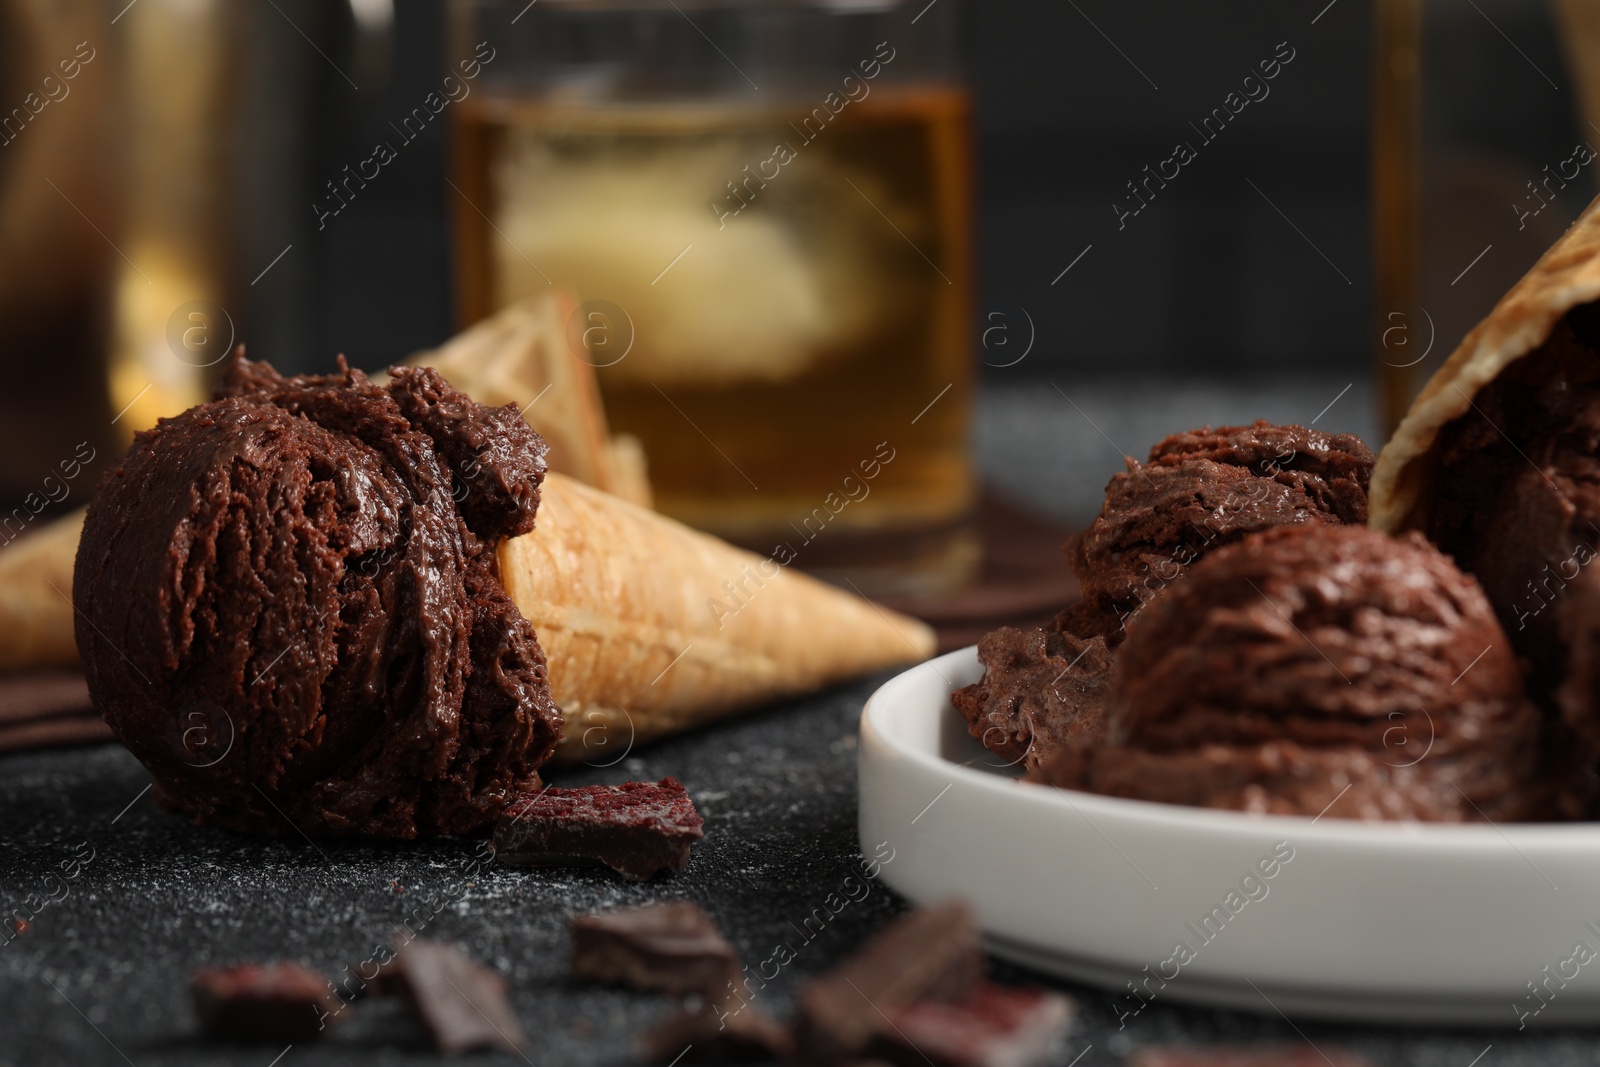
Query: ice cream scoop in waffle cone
x=651 y=627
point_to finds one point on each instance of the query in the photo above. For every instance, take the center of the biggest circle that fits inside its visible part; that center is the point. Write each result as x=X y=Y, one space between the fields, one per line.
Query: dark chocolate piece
x=462 y=1003
x=1262 y=1056
x=932 y=953
x=637 y=829
x=675 y=948
x=263 y=1002
x=716 y=1034
x=992 y=1026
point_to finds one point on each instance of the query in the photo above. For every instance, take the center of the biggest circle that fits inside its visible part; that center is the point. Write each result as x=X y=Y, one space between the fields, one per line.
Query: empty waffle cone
x=36 y=597
x=650 y=627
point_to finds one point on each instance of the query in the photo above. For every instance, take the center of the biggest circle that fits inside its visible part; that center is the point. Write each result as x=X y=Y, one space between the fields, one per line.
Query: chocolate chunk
x=39 y=708
x=263 y=1002
x=637 y=829
x=933 y=953
x=717 y=1034
x=1262 y=1056
x=992 y=1026
x=675 y=948
x=462 y=1004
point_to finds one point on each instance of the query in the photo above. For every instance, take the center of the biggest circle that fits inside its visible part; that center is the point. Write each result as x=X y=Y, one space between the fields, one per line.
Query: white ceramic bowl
x=1399 y=922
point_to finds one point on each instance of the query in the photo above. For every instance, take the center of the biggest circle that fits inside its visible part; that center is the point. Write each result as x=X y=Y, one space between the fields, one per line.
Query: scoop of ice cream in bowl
x=1321 y=669
x=1198 y=491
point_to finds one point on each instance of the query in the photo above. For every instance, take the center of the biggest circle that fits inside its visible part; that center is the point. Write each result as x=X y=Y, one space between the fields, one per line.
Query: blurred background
x=1093 y=224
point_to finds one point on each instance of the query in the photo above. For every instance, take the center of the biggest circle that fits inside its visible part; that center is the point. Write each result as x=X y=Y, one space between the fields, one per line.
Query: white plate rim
x=1329 y=829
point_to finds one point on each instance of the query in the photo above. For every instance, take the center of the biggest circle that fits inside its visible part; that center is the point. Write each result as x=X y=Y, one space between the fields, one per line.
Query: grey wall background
x=1208 y=279
x=1255 y=260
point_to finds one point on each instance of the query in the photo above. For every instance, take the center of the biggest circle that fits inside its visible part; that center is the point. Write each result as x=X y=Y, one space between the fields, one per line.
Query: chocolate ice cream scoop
x=287 y=607
x=1319 y=667
x=1207 y=488
x=1200 y=490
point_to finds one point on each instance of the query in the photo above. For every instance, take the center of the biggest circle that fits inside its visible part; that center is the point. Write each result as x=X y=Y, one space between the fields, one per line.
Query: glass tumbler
x=765 y=211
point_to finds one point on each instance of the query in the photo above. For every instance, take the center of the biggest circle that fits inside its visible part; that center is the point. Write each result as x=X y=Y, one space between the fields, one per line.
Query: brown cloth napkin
x=40 y=708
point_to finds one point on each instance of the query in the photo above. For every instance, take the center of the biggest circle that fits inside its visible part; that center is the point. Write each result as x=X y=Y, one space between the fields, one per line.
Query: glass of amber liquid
x=765 y=211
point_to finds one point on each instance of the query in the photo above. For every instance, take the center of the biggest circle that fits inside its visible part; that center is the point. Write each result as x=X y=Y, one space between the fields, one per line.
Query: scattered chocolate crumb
x=675 y=948
x=638 y=829
x=278 y=1001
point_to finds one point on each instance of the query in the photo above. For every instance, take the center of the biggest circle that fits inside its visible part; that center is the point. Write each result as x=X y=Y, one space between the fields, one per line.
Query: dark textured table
x=100 y=976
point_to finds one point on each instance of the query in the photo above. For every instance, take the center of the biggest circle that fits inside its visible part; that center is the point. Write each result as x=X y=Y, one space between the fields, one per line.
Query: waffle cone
x=36 y=597
x=1567 y=275
x=650 y=627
